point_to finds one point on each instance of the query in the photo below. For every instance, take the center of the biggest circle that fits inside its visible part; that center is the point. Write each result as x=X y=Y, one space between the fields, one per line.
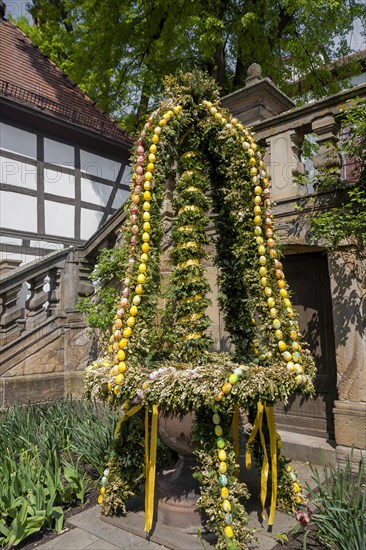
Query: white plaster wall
x=90 y=220
x=18 y=141
x=18 y=173
x=24 y=258
x=94 y=192
x=59 y=183
x=120 y=198
x=99 y=166
x=126 y=176
x=59 y=219
x=59 y=153
x=18 y=211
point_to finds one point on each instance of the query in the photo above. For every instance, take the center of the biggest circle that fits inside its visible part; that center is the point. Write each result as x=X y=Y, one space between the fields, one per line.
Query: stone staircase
x=44 y=345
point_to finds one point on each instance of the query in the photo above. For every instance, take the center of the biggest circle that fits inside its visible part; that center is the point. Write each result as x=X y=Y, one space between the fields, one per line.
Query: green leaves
x=147 y=41
x=340 y=500
x=40 y=472
x=342 y=219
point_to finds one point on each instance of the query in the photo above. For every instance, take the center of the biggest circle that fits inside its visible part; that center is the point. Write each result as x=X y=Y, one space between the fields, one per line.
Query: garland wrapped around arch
x=166 y=365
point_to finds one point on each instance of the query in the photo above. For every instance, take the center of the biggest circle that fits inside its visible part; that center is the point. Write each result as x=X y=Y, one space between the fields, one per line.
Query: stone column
x=348 y=286
x=326 y=129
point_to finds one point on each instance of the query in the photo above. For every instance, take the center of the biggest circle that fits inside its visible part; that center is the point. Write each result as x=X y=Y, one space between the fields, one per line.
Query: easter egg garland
x=220 y=170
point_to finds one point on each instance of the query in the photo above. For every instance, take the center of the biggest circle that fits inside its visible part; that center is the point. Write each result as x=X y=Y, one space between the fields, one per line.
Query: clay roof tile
x=28 y=76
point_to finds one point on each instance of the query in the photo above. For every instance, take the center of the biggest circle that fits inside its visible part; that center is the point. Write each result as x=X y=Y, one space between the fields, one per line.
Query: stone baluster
x=85 y=287
x=326 y=129
x=54 y=293
x=36 y=312
x=10 y=328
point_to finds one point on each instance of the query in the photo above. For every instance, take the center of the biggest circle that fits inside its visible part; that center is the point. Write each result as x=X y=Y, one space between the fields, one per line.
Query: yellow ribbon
x=189 y=244
x=257 y=426
x=192 y=336
x=188 y=263
x=235 y=428
x=150 y=465
x=128 y=414
x=190 y=299
x=192 y=317
x=193 y=189
x=273 y=449
x=189 y=208
x=189 y=154
x=187 y=174
x=186 y=228
x=248 y=460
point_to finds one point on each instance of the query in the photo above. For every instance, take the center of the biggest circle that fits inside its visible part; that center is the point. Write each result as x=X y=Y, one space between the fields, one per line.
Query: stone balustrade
x=283 y=136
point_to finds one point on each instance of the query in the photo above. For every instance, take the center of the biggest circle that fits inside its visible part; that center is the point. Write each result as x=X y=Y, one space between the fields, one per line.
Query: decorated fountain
x=163 y=364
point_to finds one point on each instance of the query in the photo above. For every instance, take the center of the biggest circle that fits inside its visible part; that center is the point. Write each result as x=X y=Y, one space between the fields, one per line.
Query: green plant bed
x=51 y=455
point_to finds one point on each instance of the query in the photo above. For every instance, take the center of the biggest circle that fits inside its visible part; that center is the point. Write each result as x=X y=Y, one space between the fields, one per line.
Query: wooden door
x=308 y=278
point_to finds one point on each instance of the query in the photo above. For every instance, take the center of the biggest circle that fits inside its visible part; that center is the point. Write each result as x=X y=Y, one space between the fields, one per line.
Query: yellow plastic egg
x=224 y=492
x=155 y=138
x=127 y=332
x=121 y=366
x=226 y=388
x=146 y=216
x=282 y=346
x=145 y=247
x=139 y=290
x=146 y=226
x=121 y=355
x=123 y=343
x=145 y=237
x=131 y=321
x=229 y=531
x=133 y=311
x=226 y=506
x=141 y=278
x=222 y=455
x=119 y=378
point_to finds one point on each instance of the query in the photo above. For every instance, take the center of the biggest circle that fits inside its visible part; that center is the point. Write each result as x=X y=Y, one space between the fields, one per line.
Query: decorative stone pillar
x=285 y=164
x=348 y=285
x=326 y=129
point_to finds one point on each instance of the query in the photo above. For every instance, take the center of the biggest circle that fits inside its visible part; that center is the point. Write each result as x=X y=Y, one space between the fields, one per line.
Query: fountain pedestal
x=177 y=491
